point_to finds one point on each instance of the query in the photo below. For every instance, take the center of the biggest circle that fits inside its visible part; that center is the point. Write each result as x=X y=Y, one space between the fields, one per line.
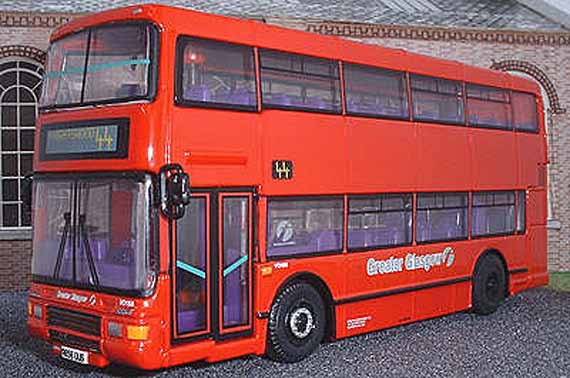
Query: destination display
x=85 y=140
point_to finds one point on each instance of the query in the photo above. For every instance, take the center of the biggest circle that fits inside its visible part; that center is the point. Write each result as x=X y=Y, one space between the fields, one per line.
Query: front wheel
x=489 y=285
x=296 y=323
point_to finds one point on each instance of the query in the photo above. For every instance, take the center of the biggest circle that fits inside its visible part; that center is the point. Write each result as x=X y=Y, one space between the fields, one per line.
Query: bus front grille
x=73 y=341
x=74 y=320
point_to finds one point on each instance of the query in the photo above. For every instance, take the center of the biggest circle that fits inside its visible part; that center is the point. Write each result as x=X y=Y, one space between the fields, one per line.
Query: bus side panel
x=531 y=154
x=537 y=242
x=494 y=160
x=431 y=303
x=314 y=143
x=444 y=158
x=271 y=276
x=373 y=314
x=219 y=147
x=371 y=274
x=382 y=155
x=454 y=269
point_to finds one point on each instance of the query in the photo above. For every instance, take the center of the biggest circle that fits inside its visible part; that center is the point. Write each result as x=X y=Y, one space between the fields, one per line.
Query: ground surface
x=528 y=337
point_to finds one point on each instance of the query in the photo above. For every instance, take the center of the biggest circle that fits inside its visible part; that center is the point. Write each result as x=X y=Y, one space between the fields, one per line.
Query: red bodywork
x=333 y=154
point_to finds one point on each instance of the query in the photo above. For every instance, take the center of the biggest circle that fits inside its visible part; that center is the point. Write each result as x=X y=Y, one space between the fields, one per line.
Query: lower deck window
x=304 y=226
x=379 y=221
x=493 y=213
x=441 y=216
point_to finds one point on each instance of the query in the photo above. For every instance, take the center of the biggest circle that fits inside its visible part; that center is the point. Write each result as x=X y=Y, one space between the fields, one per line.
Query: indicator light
x=137 y=332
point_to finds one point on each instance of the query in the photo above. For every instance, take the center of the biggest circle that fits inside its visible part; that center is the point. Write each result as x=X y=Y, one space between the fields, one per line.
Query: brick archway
x=24 y=52
x=536 y=73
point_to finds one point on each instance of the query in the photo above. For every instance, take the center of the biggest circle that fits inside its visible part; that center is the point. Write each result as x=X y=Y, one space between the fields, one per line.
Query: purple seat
x=316 y=103
x=242 y=97
x=423 y=231
x=280 y=99
x=197 y=93
x=114 y=275
x=328 y=241
x=129 y=90
x=190 y=320
x=356 y=238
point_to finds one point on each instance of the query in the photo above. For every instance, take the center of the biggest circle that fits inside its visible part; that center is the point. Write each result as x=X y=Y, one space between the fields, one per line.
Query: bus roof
x=255 y=33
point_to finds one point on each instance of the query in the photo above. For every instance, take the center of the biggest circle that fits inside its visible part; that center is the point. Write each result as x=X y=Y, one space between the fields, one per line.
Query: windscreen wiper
x=88 y=252
x=62 y=242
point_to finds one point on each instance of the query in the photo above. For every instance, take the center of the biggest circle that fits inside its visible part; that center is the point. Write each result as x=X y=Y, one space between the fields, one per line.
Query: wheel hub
x=492 y=286
x=301 y=322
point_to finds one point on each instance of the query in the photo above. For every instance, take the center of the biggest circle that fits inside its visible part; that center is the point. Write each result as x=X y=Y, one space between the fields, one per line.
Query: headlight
x=114 y=329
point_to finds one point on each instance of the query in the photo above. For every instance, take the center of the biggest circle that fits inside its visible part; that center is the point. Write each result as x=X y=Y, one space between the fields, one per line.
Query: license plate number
x=75 y=355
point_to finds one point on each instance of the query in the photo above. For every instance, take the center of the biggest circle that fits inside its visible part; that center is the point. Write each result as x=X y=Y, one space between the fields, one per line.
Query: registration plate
x=74 y=355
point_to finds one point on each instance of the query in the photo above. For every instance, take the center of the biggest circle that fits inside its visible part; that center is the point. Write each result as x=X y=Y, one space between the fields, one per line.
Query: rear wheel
x=296 y=323
x=489 y=285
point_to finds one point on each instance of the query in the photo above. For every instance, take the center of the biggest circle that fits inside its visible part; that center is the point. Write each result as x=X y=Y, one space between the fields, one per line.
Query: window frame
x=517 y=130
x=153 y=68
x=493 y=192
x=417 y=210
x=289 y=256
x=460 y=96
x=299 y=108
x=179 y=100
x=371 y=69
x=376 y=196
x=509 y=102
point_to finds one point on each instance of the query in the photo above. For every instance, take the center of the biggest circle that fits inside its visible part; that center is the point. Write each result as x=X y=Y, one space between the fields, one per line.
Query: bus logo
x=282 y=169
x=411 y=262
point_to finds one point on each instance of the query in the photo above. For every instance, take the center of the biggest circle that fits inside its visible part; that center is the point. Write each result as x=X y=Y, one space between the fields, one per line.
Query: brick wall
x=15 y=258
x=23 y=35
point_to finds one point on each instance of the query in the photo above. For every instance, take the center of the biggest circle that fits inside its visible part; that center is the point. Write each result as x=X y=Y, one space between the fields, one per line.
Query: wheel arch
x=324 y=291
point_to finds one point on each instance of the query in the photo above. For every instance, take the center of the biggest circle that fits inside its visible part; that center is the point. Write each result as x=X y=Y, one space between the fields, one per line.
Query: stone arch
x=536 y=73
x=23 y=52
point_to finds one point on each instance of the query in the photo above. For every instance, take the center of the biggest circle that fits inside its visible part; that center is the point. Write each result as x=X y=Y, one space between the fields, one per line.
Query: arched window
x=20 y=88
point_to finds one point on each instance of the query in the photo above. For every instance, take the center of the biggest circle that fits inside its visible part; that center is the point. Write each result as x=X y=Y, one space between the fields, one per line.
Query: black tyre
x=489 y=285
x=296 y=323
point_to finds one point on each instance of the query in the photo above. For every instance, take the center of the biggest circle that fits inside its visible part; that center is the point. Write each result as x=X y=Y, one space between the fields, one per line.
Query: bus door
x=212 y=282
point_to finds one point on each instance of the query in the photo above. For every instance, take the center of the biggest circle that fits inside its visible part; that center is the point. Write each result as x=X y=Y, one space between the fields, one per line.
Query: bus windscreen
x=99 y=65
x=93 y=233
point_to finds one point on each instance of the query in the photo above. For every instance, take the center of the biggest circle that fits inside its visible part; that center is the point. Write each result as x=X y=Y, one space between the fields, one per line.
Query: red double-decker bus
x=208 y=187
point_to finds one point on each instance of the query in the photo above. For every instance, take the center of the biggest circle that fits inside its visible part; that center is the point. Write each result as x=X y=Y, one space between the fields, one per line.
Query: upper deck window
x=110 y=63
x=525 y=113
x=488 y=107
x=375 y=92
x=437 y=100
x=217 y=74
x=291 y=81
